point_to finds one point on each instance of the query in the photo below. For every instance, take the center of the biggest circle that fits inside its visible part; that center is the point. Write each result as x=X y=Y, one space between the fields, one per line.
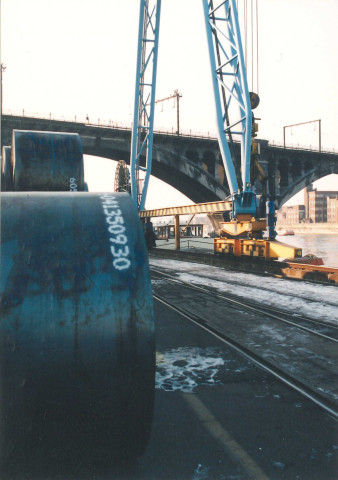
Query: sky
x=73 y=58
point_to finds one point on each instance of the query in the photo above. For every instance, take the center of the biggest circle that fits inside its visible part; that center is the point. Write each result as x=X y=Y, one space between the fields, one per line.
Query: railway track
x=305 y=363
x=270 y=289
x=316 y=327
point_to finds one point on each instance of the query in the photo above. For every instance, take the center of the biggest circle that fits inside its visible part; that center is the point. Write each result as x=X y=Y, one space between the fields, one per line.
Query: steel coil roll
x=77 y=351
x=47 y=161
x=6 y=170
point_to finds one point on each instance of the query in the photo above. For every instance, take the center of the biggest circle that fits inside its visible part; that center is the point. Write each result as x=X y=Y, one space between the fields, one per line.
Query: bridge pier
x=179 y=161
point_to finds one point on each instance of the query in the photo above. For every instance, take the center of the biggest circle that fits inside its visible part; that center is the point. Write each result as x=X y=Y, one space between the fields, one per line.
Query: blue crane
x=144 y=107
x=232 y=105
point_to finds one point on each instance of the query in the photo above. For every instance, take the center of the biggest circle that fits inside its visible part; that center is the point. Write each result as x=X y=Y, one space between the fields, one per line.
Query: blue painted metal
x=244 y=203
x=77 y=356
x=144 y=106
x=47 y=161
x=229 y=78
x=230 y=83
x=220 y=116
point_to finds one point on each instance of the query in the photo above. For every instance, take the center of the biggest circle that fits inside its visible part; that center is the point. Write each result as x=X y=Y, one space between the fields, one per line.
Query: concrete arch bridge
x=192 y=164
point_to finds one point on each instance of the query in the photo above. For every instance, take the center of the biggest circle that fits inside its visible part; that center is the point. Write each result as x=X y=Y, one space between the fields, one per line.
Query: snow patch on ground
x=301 y=298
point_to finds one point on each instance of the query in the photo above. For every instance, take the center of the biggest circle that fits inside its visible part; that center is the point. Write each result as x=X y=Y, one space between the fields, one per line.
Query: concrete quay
x=311 y=228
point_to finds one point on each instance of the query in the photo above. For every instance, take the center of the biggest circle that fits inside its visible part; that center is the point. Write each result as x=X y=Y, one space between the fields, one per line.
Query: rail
x=109 y=123
x=187 y=243
x=288 y=374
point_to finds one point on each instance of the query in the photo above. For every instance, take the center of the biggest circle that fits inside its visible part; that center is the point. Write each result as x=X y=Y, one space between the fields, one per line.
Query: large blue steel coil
x=47 y=161
x=6 y=170
x=77 y=351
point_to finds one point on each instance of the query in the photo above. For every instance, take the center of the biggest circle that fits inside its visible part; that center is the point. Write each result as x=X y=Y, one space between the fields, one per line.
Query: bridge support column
x=177 y=232
x=273 y=177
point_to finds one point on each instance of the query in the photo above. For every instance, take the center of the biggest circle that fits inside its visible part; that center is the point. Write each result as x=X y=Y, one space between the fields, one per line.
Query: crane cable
x=250 y=10
x=246 y=33
x=257 y=47
x=252 y=45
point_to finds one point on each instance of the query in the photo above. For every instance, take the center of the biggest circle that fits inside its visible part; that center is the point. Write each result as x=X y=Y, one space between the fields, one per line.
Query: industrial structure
x=77 y=321
x=241 y=230
x=191 y=163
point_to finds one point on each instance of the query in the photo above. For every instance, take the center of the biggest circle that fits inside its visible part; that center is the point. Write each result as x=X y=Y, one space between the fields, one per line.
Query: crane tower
x=231 y=99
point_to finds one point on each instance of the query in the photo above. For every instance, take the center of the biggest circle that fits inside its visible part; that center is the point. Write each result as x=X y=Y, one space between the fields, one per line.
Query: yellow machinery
x=243 y=236
x=261 y=248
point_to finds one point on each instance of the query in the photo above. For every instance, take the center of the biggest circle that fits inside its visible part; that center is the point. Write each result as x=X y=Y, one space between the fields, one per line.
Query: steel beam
x=144 y=106
x=212 y=207
x=229 y=83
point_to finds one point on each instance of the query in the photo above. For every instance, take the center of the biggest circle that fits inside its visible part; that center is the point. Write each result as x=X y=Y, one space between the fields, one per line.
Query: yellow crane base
x=266 y=249
x=243 y=227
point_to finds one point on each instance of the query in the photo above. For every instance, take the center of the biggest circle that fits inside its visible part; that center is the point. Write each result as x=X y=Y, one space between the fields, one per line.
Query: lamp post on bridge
x=3 y=68
x=303 y=123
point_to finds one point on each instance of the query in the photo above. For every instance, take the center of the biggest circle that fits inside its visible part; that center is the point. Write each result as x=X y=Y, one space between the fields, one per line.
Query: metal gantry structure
x=231 y=93
x=231 y=96
x=144 y=106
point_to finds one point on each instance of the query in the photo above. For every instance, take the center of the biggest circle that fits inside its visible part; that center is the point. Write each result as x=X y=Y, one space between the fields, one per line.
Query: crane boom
x=231 y=95
x=230 y=84
x=144 y=105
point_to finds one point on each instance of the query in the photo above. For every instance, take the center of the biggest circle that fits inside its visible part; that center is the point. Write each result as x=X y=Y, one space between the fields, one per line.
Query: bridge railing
x=109 y=123
x=104 y=123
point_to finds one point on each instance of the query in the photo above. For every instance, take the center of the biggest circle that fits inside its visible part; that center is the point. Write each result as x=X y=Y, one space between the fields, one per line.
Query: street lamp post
x=178 y=96
x=3 y=68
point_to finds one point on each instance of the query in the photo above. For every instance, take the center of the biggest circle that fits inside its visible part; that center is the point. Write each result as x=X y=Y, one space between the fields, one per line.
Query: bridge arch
x=300 y=183
x=175 y=170
x=296 y=170
x=192 y=155
x=178 y=160
x=283 y=170
x=209 y=162
x=100 y=173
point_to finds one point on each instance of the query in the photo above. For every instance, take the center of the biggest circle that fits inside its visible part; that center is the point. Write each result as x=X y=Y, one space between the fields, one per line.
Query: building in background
x=319 y=207
x=306 y=201
x=318 y=202
x=332 y=210
x=291 y=215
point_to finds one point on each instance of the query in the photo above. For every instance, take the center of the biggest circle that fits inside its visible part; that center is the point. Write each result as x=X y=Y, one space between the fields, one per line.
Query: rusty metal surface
x=316 y=273
x=77 y=331
x=47 y=161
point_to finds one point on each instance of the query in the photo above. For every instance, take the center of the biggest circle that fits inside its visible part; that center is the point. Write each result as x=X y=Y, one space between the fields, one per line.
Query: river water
x=322 y=245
